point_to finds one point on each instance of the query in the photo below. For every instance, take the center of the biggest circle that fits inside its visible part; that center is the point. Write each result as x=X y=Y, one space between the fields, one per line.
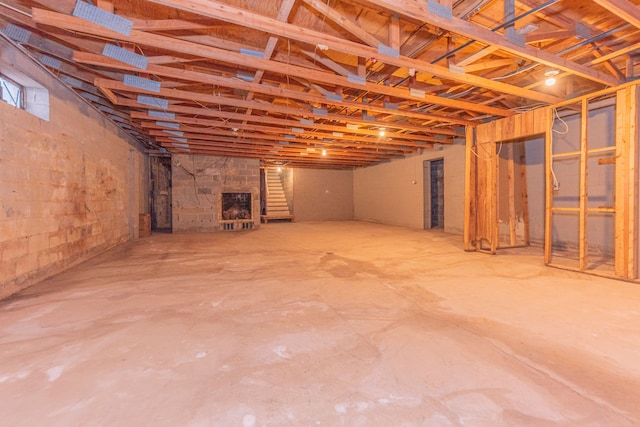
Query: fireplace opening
x=236 y=206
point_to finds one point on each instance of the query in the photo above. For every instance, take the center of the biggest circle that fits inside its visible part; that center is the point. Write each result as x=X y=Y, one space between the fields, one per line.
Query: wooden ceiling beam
x=623 y=9
x=344 y=22
x=248 y=19
x=610 y=66
x=488 y=50
x=269 y=107
x=352 y=134
x=486 y=65
x=616 y=53
x=163 y=42
x=330 y=64
x=195 y=76
x=344 y=142
x=283 y=15
x=259 y=152
x=275 y=159
x=169 y=25
x=541 y=36
x=264 y=120
x=315 y=138
x=414 y=9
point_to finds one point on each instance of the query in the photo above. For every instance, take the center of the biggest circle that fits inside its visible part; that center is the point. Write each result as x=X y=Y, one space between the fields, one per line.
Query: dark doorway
x=161 y=194
x=433 y=193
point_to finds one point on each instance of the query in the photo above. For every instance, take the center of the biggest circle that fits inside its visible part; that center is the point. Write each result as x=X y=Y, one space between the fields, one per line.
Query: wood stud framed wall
x=483 y=191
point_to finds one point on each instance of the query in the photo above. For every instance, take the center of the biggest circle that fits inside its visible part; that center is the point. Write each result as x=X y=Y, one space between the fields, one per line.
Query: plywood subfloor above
x=223 y=329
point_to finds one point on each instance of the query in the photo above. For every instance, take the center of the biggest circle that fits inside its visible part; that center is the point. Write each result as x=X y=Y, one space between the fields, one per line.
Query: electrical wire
x=556 y=183
x=488 y=158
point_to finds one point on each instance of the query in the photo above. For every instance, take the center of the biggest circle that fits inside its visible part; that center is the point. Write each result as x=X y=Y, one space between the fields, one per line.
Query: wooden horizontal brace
x=609 y=161
x=590 y=151
x=596 y=210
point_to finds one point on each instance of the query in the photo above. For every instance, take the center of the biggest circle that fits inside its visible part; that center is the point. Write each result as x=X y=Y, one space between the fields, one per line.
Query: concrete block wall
x=70 y=187
x=393 y=193
x=197 y=184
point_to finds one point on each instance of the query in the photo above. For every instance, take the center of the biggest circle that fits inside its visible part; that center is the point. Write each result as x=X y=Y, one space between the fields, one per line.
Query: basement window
x=20 y=91
x=12 y=93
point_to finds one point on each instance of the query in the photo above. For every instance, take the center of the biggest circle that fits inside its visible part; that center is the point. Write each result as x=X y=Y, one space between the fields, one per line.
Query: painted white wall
x=386 y=193
x=322 y=195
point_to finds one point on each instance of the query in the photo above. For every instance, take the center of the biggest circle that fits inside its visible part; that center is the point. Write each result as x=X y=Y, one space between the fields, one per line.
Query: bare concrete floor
x=320 y=324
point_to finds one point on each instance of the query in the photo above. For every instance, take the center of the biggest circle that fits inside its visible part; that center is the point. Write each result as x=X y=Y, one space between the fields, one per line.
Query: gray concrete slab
x=320 y=324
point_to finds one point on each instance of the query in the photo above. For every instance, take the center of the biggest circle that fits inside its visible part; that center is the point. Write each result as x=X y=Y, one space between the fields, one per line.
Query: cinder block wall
x=197 y=183
x=70 y=187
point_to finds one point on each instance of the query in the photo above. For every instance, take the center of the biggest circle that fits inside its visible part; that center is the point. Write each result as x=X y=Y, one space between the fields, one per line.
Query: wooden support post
x=362 y=67
x=584 y=194
x=511 y=188
x=525 y=194
x=394 y=32
x=626 y=178
x=470 y=194
x=492 y=187
x=548 y=193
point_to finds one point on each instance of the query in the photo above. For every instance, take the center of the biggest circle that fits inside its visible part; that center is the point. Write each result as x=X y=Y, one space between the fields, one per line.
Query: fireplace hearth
x=236 y=206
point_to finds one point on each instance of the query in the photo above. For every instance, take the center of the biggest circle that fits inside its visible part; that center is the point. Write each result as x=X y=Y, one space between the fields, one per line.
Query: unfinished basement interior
x=319 y=213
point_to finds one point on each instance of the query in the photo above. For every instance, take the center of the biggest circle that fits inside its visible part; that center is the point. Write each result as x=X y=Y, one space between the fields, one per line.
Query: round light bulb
x=550 y=81
x=279 y=169
x=324 y=152
x=381 y=133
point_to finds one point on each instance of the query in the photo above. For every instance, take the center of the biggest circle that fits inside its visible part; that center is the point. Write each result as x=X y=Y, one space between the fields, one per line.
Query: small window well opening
x=20 y=91
x=12 y=93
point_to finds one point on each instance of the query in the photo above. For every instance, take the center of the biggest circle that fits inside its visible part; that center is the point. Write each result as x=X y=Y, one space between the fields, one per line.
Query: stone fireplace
x=236 y=206
x=215 y=193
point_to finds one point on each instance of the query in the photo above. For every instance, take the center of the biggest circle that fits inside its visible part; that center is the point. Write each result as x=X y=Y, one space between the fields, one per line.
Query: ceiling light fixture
x=324 y=152
x=551 y=77
x=382 y=132
x=279 y=169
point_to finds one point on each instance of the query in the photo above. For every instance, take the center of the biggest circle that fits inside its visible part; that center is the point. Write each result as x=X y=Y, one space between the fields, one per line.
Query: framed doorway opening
x=433 y=178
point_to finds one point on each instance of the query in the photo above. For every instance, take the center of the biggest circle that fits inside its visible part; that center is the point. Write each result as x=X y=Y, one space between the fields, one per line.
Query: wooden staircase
x=277 y=206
